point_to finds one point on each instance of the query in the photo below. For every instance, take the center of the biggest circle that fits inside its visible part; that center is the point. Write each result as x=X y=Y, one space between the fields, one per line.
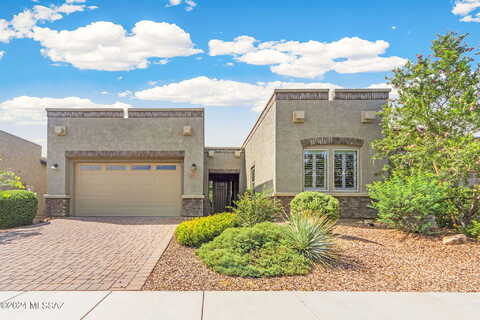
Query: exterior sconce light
x=54 y=166
x=194 y=166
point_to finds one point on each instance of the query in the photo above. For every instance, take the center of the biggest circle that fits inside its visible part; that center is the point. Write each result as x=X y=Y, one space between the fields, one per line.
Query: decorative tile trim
x=315 y=95
x=232 y=171
x=223 y=150
x=115 y=113
x=358 y=94
x=125 y=154
x=169 y=113
x=347 y=141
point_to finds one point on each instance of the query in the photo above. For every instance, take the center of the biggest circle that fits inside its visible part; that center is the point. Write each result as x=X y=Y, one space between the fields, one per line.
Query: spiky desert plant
x=313 y=238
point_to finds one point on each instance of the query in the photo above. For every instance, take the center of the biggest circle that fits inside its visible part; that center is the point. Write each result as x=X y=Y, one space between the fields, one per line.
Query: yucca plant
x=312 y=236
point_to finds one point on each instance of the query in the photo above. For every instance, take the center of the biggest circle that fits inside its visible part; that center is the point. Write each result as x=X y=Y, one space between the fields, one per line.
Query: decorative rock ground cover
x=374 y=259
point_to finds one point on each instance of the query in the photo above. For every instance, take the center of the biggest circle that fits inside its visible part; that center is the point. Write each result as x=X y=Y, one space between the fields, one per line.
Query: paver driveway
x=113 y=253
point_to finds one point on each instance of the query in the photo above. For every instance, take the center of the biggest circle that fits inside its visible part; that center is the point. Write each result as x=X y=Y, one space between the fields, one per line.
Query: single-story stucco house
x=153 y=162
x=24 y=158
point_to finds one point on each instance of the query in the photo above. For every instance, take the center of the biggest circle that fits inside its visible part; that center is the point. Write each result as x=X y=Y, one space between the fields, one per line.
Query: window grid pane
x=90 y=168
x=166 y=167
x=116 y=167
x=345 y=174
x=315 y=169
x=308 y=170
x=141 y=167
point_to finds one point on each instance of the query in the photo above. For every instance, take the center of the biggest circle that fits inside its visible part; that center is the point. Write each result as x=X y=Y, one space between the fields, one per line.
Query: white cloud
x=27 y=110
x=2 y=53
x=104 y=92
x=239 y=45
x=76 y=1
x=222 y=93
x=471 y=18
x=125 y=94
x=229 y=64
x=394 y=27
x=173 y=3
x=310 y=59
x=22 y=24
x=107 y=46
x=189 y=4
x=465 y=8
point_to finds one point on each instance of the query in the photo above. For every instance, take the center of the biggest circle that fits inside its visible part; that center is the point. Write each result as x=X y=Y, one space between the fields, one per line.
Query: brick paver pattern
x=113 y=253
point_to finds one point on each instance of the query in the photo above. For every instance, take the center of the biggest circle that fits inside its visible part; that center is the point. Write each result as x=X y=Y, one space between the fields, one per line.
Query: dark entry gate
x=223 y=190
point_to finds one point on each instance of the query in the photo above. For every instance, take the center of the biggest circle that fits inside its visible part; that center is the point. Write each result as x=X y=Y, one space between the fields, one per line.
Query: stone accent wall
x=85 y=154
x=347 y=141
x=85 y=114
x=57 y=207
x=350 y=207
x=132 y=113
x=346 y=94
x=356 y=207
x=314 y=95
x=193 y=207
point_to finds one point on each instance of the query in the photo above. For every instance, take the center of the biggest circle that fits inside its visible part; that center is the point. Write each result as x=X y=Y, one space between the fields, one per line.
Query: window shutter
x=320 y=170
x=315 y=169
x=345 y=175
x=308 y=170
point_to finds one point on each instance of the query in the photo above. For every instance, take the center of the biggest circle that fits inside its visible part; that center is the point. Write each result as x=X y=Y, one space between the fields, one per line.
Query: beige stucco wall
x=125 y=134
x=23 y=157
x=259 y=150
x=329 y=118
x=224 y=160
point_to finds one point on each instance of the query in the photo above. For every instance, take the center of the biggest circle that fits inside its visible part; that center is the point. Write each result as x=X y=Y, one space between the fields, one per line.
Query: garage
x=127 y=189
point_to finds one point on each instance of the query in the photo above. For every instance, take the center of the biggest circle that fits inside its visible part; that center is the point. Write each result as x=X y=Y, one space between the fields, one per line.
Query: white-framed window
x=345 y=170
x=315 y=172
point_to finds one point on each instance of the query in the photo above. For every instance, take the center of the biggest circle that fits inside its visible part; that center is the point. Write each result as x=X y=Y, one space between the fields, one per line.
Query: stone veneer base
x=350 y=207
x=57 y=207
x=193 y=207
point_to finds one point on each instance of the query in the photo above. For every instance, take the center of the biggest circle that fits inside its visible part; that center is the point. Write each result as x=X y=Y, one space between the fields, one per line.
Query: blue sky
x=226 y=56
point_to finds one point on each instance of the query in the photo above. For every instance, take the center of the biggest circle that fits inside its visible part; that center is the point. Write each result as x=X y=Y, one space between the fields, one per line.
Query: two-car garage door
x=127 y=189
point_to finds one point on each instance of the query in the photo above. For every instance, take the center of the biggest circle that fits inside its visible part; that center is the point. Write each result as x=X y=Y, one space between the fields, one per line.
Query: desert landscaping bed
x=374 y=259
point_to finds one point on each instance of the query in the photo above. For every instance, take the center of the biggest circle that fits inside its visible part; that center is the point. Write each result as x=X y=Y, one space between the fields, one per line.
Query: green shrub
x=313 y=238
x=258 y=251
x=317 y=203
x=411 y=203
x=473 y=230
x=10 y=181
x=17 y=208
x=256 y=207
x=194 y=232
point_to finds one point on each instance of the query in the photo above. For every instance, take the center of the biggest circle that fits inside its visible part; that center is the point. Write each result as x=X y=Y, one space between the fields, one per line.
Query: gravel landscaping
x=374 y=259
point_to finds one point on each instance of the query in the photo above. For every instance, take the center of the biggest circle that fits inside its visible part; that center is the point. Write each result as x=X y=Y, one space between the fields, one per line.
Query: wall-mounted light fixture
x=194 y=166
x=54 y=166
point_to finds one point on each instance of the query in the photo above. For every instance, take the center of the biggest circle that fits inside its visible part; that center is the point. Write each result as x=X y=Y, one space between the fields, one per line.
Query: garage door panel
x=122 y=191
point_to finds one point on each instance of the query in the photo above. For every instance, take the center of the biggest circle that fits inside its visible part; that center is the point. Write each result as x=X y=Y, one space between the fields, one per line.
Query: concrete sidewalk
x=234 y=305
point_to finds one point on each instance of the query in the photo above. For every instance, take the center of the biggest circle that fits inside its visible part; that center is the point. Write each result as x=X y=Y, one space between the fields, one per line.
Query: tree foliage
x=431 y=127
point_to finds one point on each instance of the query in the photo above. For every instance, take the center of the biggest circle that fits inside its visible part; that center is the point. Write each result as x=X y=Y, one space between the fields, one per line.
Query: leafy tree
x=431 y=127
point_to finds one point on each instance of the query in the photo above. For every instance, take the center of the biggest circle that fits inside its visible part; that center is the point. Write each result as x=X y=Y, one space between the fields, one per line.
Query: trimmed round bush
x=17 y=208
x=194 y=232
x=258 y=251
x=317 y=203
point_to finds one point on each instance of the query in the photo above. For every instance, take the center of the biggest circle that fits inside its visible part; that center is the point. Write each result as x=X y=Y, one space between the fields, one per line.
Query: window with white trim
x=315 y=164
x=345 y=170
